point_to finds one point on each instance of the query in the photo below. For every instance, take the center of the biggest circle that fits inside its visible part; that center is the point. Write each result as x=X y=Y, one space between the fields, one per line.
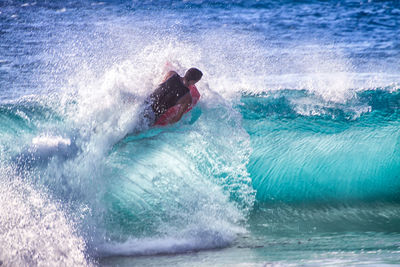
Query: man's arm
x=184 y=103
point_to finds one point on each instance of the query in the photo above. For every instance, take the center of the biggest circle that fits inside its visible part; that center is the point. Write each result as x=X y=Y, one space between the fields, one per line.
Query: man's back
x=167 y=95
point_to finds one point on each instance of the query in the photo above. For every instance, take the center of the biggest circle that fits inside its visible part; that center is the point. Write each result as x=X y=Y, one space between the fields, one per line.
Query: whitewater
x=291 y=157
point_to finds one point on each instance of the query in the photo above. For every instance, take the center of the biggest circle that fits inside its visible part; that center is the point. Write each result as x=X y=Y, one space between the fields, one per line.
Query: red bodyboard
x=172 y=111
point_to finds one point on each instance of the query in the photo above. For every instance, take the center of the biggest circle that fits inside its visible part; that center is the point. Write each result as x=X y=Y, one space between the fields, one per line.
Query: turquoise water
x=291 y=157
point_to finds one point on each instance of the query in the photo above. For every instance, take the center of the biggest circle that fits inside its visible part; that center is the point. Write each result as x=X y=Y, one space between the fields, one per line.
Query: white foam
x=50 y=141
x=34 y=230
x=135 y=247
x=44 y=147
x=168 y=245
x=61 y=10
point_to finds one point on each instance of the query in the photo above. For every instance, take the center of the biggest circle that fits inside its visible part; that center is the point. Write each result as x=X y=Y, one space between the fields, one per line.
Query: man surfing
x=175 y=96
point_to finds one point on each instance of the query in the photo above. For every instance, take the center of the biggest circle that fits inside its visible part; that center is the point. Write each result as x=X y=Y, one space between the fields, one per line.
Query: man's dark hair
x=193 y=74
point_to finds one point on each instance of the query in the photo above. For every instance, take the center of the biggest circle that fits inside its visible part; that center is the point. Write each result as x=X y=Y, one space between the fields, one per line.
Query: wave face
x=295 y=135
x=309 y=149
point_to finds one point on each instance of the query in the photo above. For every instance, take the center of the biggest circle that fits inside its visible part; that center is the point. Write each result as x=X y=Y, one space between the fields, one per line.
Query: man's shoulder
x=174 y=77
x=171 y=74
x=175 y=81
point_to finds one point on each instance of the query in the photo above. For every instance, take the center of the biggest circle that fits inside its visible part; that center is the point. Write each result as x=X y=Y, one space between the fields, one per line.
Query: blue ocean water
x=291 y=157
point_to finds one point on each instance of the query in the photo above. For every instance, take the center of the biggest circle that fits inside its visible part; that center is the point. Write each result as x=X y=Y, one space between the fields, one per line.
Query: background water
x=292 y=156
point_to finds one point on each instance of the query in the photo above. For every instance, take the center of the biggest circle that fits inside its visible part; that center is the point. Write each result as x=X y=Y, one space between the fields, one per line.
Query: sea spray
x=34 y=228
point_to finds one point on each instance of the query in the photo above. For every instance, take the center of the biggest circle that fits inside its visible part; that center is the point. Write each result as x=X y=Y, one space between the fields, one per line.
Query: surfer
x=175 y=96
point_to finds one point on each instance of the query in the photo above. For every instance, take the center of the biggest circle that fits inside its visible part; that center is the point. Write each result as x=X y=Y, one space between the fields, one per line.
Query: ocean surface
x=291 y=157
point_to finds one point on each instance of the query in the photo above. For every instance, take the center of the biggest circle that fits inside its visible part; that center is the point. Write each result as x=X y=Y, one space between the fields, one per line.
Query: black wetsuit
x=167 y=95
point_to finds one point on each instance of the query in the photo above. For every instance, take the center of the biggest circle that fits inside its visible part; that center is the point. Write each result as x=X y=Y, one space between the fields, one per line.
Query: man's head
x=193 y=75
